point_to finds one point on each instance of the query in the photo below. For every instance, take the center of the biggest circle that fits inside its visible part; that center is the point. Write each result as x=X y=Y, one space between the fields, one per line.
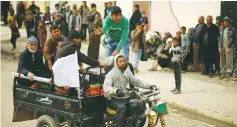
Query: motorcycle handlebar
x=146 y=92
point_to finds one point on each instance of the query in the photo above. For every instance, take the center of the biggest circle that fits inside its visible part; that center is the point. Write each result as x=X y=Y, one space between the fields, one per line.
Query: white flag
x=66 y=71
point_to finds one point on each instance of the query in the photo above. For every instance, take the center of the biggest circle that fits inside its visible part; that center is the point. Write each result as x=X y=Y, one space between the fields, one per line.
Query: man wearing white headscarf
x=164 y=58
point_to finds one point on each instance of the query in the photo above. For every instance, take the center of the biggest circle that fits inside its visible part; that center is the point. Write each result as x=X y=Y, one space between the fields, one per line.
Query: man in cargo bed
x=31 y=63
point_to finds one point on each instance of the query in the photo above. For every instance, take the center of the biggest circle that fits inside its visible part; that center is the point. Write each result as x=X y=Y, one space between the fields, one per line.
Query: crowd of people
x=210 y=47
x=207 y=48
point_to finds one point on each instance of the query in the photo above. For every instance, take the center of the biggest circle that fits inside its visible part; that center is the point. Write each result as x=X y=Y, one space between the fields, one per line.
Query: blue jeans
x=137 y=57
x=112 y=45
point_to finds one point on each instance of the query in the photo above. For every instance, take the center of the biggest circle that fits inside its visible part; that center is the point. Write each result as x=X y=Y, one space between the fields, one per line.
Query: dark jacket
x=26 y=63
x=30 y=27
x=200 y=40
x=63 y=27
x=69 y=47
x=136 y=16
x=232 y=35
x=211 y=43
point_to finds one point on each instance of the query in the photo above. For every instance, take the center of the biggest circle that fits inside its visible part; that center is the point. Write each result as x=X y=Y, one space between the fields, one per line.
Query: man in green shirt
x=116 y=28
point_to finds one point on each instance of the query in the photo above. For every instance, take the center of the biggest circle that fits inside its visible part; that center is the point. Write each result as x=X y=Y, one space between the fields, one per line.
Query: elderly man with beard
x=31 y=63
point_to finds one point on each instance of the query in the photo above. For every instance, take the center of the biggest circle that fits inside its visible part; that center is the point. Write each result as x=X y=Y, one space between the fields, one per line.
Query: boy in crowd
x=177 y=57
x=144 y=19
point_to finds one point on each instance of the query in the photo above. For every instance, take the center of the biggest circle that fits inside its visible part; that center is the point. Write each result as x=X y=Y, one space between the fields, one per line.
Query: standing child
x=42 y=34
x=177 y=57
x=15 y=33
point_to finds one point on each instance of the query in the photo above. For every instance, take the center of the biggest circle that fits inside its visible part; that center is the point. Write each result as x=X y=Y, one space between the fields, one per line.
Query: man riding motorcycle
x=115 y=87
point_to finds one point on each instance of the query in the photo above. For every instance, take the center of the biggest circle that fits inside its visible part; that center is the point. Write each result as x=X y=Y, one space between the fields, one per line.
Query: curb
x=214 y=115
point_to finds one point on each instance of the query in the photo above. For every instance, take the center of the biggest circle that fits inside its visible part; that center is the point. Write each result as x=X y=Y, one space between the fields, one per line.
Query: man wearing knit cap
x=31 y=63
x=72 y=44
x=219 y=22
x=227 y=41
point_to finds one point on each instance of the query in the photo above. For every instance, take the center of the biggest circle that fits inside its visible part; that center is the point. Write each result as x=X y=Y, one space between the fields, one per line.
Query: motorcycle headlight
x=151 y=98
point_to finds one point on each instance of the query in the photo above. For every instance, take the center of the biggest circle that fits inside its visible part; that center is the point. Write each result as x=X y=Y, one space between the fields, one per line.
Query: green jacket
x=117 y=32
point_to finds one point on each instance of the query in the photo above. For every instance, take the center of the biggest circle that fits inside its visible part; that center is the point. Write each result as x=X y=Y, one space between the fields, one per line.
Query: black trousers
x=177 y=75
x=13 y=41
x=83 y=31
x=19 y=21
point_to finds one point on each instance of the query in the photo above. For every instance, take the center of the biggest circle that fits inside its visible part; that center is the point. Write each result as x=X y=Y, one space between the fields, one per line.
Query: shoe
x=227 y=77
x=211 y=75
x=204 y=73
x=177 y=92
x=234 y=79
x=173 y=90
x=222 y=76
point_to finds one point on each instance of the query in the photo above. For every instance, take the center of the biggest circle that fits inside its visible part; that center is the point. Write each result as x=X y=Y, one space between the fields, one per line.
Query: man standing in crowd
x=47 y=15
x=84 y=10
x=226 y=47
x=136 y=16
x=211 y=46
x=138 y=44
x=94 y=44
x=29 y=23
x=59 y=22
x=67 y=13
x=56 y=6
x=107 y=9
x=32 y=7
x=21 y=12
x=219 y=22
x=185 y=44
x=38 y=17
x=51 y=46
x=198 y=46
x=74 y=22
x=116 y=28
x=91 y=16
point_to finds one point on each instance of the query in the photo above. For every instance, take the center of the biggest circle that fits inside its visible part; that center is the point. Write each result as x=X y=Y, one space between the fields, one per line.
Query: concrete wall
x=187 y=13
